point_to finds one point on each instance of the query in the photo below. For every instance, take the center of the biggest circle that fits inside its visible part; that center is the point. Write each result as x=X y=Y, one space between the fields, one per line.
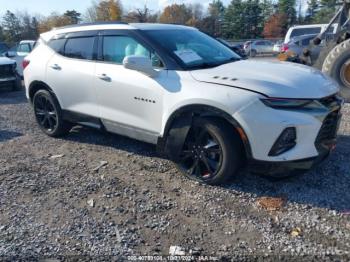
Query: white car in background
x=19 y=52
x=192 y=96
x=299 y=30
x=277 y=47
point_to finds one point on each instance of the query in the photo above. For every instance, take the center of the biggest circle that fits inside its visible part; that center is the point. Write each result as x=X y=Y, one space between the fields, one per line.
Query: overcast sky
x=45 y=7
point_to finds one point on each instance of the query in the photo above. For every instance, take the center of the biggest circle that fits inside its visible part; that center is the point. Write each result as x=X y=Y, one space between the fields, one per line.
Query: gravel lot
x=94 y=194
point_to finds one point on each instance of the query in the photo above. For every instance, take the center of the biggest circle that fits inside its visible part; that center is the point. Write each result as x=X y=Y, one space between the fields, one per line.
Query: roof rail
x=94 y=23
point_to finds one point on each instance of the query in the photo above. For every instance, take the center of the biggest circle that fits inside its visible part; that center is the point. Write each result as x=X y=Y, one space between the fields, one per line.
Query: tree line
x=241 y=19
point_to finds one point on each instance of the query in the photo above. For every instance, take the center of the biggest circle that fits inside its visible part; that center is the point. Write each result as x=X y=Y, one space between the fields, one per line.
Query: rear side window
x=24 y=48
x=57 y=45
x=80 y=48
x=305 y=31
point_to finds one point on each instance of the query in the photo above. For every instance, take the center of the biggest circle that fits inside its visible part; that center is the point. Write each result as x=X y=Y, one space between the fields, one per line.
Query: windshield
x=192 y=48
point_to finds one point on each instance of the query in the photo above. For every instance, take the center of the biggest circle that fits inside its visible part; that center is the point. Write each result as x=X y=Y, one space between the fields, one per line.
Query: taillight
x=25 y=63
x=284 y=48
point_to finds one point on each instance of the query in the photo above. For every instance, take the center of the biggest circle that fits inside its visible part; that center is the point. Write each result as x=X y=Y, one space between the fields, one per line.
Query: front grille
x=6 y=71
x=329 y=129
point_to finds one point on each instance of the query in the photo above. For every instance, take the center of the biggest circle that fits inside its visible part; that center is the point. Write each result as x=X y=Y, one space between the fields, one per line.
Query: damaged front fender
x=177 y=136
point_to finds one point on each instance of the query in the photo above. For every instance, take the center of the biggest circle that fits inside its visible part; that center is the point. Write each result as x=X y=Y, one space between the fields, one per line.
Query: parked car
x=253 y=48
x=237 y=48
x=277 y=47
x=19 y=52
x=8 y=75
x=298 y=44
x=3 y=48
x=300 y=30
x=180 y=89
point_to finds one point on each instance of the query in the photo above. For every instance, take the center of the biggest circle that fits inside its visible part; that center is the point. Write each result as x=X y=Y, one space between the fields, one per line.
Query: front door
x=131 y=103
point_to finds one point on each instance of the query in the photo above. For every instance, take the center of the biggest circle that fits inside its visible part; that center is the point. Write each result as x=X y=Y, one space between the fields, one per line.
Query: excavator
x=334 y=58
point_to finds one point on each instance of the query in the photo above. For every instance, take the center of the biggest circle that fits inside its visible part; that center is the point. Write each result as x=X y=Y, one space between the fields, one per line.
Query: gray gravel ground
x=57 y=199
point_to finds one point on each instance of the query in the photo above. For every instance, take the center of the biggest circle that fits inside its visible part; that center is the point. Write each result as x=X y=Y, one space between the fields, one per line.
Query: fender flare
x=36 y=85
x=180 y=121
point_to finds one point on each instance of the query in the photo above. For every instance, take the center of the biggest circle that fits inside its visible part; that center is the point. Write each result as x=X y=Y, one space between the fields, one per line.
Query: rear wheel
x=48 y=114
x=212 y=152
x=337 y=65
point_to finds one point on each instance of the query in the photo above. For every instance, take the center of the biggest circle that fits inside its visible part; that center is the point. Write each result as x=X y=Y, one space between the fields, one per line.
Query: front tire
x=212 y=152
x=48 y=114
x=337 y=66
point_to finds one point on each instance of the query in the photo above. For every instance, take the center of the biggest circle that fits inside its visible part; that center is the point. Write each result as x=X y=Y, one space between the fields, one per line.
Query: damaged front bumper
x=288 y=168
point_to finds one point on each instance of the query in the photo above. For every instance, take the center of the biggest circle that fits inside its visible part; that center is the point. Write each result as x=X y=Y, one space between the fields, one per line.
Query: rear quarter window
x=305 y=31
x=80 y=48
x=57 y=45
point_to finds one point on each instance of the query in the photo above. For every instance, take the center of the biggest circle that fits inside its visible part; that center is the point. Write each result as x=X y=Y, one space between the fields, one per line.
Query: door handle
x=105 y=77
x=56 y=67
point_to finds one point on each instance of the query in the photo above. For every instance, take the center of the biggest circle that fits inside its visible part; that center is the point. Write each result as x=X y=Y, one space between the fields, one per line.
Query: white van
x=299 y=30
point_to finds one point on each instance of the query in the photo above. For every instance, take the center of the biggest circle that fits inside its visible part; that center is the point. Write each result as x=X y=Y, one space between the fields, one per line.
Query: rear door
x=70 y=72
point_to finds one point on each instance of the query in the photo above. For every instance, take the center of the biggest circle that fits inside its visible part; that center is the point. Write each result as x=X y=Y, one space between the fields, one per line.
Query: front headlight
x=286 y=103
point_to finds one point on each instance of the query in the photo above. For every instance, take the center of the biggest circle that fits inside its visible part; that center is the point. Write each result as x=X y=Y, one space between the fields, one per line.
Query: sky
x=45 y=7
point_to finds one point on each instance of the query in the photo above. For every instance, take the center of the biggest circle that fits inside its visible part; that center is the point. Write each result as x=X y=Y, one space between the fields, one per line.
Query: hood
x=6 y=61
x=273 y=79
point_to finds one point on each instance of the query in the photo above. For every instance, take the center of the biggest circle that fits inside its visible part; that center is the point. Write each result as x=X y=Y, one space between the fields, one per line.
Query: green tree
x=73 y=16
x=243 y=19
x=11 y=27
x=233 y=24
x=311 y=11
x=29 y=26
x=214 y=21
x=2 y=37
x=327 y=9
x=253 y=19
x=287 y=8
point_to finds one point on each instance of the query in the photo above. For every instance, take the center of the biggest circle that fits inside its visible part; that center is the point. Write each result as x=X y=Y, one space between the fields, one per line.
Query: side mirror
x=10 y=54
x=140 y=63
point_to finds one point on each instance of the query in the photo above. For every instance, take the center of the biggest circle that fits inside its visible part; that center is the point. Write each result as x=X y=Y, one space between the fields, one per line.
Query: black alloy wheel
x=48 y=114
x=45 y=113
x=211 y=152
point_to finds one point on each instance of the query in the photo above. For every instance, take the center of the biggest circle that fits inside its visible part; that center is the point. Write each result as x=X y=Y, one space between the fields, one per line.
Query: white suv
x=186 y=92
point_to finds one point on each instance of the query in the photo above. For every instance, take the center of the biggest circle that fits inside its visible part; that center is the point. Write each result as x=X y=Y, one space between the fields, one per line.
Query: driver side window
x=116 y=48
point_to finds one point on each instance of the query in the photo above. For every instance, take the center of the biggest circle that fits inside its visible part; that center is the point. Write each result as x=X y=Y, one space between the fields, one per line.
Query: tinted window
x=305 y=31
x=116 y=48
x=24 y=48
x=57 y=45
x=80 y=48
x=306 y=41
